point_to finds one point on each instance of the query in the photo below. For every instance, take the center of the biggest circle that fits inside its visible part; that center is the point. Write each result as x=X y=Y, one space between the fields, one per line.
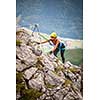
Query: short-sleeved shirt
x=61 y=45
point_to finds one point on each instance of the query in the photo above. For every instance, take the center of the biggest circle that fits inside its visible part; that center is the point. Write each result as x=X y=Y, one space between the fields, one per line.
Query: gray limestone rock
x=30 y=72
x=45 y=72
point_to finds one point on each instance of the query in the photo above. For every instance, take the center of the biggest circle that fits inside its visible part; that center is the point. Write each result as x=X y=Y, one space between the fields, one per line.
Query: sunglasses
x=52 y=37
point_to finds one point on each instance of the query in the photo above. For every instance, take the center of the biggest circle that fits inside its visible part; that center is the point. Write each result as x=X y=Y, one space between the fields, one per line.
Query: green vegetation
x=19 y=82
x=67 y=82
x=26 y=94
x=59 y=69
x=75 y=56
x=48 y=85
x=31 y=94
x=19 y=77
x=20 y=87
x=18 y=42
x=39 y=65
x=73 y=69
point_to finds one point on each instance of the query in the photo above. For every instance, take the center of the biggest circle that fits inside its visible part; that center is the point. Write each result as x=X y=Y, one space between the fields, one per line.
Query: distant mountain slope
x=75 y=56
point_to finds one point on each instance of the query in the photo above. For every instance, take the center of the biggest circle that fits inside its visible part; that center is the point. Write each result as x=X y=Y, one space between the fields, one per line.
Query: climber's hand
x=50 y=52
x=38 y=42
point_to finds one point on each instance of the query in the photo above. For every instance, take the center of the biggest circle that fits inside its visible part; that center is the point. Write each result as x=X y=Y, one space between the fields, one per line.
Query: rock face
x=44 y=77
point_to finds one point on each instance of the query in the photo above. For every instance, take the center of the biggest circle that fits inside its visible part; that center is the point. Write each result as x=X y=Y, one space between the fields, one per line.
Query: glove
x=50 y=52
x=38 y=42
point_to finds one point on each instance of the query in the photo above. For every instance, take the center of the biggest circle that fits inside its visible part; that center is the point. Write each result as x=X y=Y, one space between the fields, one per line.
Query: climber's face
x=53 y=38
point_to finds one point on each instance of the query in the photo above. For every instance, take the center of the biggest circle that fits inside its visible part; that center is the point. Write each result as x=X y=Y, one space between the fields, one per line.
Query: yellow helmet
x=53 y=34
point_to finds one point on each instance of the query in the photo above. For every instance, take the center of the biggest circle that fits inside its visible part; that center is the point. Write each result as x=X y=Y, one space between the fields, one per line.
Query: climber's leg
x=56 y=52
x=62 y=55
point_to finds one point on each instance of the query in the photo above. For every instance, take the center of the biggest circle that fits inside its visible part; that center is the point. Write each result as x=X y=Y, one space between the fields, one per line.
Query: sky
x=65 y=17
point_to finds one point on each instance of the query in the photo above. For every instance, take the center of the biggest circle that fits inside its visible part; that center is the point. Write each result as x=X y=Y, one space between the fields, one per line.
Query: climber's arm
x=55 y=47
x=45 y=41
